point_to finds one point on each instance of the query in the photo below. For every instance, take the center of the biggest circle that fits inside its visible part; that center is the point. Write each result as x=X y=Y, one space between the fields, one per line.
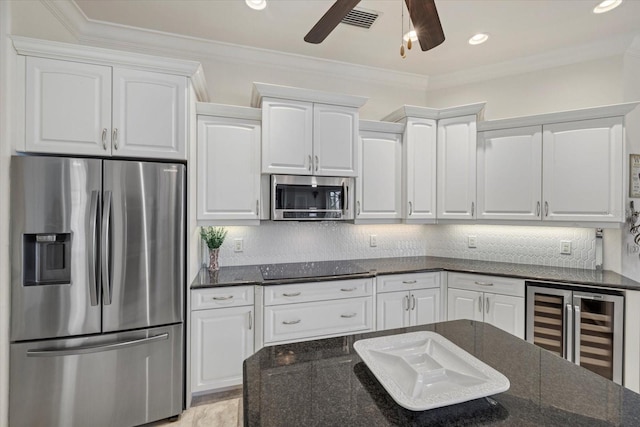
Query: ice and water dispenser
x=47 y=259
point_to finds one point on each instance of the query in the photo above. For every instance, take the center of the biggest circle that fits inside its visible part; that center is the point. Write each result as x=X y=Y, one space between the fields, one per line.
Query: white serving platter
x=423 y=370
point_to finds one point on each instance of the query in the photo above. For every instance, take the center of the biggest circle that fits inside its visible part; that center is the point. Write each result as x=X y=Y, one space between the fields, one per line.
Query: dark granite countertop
x=274 y=274
x=325 y=383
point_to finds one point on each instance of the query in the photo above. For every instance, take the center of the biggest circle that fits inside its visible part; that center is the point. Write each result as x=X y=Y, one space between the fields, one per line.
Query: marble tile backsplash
x=300 y=242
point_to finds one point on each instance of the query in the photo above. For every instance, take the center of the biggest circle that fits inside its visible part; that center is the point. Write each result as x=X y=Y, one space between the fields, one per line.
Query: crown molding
x=413 y=111
x=377 y=126
x=229 y=111
x=556 y=58
x=266 y=90
x=116 y=36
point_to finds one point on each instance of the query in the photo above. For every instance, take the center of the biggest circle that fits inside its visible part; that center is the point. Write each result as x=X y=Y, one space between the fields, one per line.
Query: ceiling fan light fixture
x=256 y=4
x=606 y=6
x=478 y=39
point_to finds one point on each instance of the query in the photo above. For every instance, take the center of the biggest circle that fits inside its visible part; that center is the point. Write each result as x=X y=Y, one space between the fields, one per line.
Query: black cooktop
x=312 y=270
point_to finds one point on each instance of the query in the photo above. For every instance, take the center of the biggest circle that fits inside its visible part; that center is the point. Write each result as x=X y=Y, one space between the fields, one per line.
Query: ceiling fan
x=423 y=13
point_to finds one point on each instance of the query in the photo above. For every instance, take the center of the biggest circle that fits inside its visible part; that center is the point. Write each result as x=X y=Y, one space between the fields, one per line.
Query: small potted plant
x=213 y=237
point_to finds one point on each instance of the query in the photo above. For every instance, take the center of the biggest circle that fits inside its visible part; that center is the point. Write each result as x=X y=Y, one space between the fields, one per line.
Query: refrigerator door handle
x=106 y=248
x=93 y=248
x=568 y=342
x=576 y=331
x=95 y=348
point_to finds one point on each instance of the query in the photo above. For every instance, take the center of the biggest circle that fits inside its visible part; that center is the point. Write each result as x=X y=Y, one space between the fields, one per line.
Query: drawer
x=407 y=282
x=483 y=283
x=231 y=296
x=317 y=291
x=315 y=319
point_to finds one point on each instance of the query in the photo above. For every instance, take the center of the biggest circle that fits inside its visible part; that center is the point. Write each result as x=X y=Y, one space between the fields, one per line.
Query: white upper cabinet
x=308 y=132
x=456 y=168
x=228 y=156
x=583 y=170
x=509 y=174
x=379 y=187
x=419 y=160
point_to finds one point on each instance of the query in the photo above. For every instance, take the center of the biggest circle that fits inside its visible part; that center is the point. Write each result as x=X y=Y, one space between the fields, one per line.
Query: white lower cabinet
x=222 y=331
x=407 y=300
x=495 y=300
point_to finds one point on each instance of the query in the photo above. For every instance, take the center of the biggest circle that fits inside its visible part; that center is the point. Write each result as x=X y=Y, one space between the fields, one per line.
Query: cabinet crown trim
x=266 y=90
x=414 y=111
x=376 y=126
x=230 y=111
x=615 y=110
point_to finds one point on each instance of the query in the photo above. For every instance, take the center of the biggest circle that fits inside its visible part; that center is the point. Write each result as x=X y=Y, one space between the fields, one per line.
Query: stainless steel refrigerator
x=97 y=291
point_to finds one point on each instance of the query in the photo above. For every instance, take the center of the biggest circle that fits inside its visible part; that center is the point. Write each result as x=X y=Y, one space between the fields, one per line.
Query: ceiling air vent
x=362 y=18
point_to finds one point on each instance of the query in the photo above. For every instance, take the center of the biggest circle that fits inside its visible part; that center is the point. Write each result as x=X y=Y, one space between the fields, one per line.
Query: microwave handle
x=345 y=189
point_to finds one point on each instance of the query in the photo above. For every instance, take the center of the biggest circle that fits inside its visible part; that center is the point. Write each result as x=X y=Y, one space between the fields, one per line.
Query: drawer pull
x=290 y=322
x=348 y=316
x=223 y=298
x=484 y=283
x=348 y=289
x=291 y=294
x=409 y=282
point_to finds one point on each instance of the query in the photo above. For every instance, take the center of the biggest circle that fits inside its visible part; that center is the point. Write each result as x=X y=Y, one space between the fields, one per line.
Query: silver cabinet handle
x=486 y=305
x=358 y=207
x=52 y=352
x=568 y=350
x=480 y=304
x=538 y=208
x=309 y=162
x=546 y=208
x=250 y=321
x=222 y=298
x=316 y=163
x=405 y=299
x=104 y=138
x=409 y=282
x=290 y=322
x=410 y=208
x=473 y=208
x=484 y=283
x=413 y=302
x=348 y=316
x=93 y=248
x=576 y=334
x=114 y=138
x=291 y=294
x=348 y=289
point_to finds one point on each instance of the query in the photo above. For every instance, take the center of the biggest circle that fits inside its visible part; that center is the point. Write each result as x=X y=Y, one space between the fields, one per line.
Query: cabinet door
x=425 y=306
x=505 y=312
x=287 y=137
x=228 y=169
x=378 y=190
x=68 y=107
x=463 y=304
x=335 y=136
x=392 y=310
x=457 y=168
x=509 y=178
x=583 y=170
x=220 y=341
x=149 y=115
x=420 y=170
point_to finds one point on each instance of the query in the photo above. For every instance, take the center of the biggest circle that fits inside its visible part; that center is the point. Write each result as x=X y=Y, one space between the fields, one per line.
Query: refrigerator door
x=143 y=240
x=549 y=319
x=54 y=246
x=122 y=379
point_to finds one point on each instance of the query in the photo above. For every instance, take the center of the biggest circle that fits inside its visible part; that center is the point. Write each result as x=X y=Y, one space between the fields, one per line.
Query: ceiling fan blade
x=330 y=20
x=426 y=22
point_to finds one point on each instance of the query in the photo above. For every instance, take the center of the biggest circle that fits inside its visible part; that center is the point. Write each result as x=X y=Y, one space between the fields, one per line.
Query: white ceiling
x=518 y=28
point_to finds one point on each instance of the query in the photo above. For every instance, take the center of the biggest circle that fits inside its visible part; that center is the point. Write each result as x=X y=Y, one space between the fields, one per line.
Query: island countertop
x=324 y=382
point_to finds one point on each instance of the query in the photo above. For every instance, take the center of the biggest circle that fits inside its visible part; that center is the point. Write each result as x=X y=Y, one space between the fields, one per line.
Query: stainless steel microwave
x=311 y=198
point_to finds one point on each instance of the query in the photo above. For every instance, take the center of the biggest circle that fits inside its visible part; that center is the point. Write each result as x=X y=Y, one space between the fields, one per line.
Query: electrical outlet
x=373 y=240
x=237 y=245
x=565 y=247
x=472 y=241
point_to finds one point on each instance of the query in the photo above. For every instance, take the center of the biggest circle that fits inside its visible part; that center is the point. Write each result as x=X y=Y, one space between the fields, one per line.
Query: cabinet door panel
x=510 y=173
x=505 y=312
x=583 y=170
x=287 y=137
x=149 y=114
x=392 y=310
x=68 y=107
x=420 y=169
x=228 y=169
x=457 y=168
x=220 y=341
x=463 y=304
x=379 y=186
x=335 y=136
x=425 y=306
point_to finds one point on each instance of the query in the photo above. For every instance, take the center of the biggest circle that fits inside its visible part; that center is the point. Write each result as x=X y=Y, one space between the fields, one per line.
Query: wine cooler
x=582 y=326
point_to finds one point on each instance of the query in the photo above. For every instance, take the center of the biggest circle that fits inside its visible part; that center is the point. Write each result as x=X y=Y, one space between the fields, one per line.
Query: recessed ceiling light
x=256 y=4
x=606 y=6
x=411 y=35
x=478 y=38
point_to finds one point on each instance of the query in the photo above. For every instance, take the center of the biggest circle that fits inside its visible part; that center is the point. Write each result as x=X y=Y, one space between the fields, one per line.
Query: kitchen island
x=325 y=383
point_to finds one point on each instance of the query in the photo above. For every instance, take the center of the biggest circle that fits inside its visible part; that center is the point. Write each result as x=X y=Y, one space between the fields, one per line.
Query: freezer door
x=54 y=246
x=122 y=379
x=549 y=319
x=143 y=236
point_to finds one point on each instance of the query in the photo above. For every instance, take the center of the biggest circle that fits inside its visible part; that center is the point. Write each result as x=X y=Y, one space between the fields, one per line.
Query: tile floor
x=212 y=410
